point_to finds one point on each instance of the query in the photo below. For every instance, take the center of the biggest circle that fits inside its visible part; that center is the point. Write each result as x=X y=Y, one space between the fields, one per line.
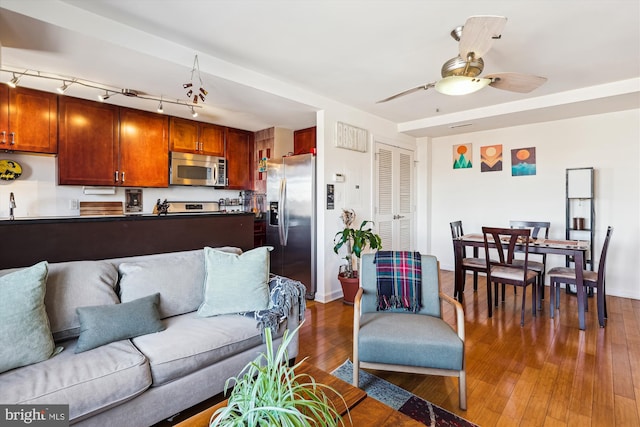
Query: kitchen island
x=28 y=241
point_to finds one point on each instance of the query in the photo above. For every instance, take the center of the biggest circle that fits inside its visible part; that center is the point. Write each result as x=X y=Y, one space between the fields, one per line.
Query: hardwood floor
x=546 y=373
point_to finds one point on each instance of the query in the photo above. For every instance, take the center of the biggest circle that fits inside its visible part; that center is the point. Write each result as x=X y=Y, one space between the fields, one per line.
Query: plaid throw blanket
x=398 y=280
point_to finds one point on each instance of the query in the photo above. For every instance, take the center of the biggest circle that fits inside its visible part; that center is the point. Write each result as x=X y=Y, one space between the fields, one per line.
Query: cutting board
x=100 y=208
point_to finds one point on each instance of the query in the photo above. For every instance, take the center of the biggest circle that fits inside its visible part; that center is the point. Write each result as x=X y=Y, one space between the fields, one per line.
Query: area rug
x=401 y=400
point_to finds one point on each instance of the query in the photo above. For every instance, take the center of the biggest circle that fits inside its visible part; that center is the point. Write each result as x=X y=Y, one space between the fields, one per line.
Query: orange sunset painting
x=491 y=158
x=462 y=156
x=523 y=161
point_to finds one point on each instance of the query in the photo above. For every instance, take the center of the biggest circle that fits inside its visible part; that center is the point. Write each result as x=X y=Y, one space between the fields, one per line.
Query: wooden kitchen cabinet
x=28 y=120
x=106 y=145
x=304 y=140
x=239 y=167
x=88 y=142
x=189 y=136
x=143 y=149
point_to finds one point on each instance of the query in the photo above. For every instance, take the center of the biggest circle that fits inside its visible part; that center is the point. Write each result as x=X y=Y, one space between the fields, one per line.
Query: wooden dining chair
x=539 y=230
x=591 y=279
x=504 y=270
x=474 y=264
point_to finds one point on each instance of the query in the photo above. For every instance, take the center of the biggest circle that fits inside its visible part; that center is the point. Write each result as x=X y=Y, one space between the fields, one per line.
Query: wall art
x=462 y=157
x=523 y=161
x=491 y=158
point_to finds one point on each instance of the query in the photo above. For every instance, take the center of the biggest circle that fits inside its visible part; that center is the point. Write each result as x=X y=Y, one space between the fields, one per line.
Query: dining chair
x=400 y=340
x=591 y=279
x=539 y=230
x=504 y=270
x=473 y=264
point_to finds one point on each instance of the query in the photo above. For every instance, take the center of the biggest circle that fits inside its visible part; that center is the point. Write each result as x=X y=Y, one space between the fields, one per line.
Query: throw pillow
x=235 y=283
x=103 y=324
x=25 y=336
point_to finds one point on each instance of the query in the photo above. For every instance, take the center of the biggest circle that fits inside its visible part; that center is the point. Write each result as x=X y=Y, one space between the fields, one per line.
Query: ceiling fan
x=460 y=75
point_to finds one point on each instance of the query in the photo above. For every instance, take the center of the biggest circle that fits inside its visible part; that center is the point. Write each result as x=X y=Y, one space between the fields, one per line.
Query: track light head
x=14 y=81
x=104 y=97
x=194 y=113
x=64 y=87
x=160 y=108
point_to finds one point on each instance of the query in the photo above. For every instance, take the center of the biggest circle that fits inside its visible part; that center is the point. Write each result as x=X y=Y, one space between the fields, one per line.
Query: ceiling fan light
x=461 y=85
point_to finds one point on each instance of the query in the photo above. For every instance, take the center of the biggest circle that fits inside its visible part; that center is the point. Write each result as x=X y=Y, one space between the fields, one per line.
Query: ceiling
x=271 y=63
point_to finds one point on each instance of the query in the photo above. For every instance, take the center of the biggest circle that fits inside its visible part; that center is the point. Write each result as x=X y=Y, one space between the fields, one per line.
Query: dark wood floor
x=547 y=373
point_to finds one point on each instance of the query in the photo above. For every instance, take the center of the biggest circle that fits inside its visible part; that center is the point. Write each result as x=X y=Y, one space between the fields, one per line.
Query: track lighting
x=104 y=97
x=14 y=81
x=106 y=91
x=64 y=87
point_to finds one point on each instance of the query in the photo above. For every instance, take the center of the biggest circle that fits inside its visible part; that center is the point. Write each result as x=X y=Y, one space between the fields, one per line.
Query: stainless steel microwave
x=197 y=169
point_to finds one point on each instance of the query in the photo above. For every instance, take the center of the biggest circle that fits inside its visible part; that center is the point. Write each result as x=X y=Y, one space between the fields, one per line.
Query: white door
x=394 y=204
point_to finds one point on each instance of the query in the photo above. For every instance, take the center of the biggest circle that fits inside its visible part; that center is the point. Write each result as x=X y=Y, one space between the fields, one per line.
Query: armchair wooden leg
x=356 y=373
x=462 y=390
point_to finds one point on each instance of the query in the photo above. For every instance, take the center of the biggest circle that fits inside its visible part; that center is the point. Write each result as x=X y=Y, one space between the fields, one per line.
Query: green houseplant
x=268 y=392
x=355 y=240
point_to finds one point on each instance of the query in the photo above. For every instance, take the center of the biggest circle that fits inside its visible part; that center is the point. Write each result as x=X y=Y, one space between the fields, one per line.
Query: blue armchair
x=403 y=341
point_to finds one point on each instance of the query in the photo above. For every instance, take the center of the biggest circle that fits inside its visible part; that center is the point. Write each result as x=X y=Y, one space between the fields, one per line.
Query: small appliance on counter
x=206 y=207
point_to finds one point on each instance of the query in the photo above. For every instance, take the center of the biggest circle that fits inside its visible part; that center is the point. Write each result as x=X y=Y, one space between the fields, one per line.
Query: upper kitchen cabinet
x=189 y=136
x=144 y=149
x=28 y=120
x=304 y=141
x=101 y=144
x=239 y=168
x=88 y=142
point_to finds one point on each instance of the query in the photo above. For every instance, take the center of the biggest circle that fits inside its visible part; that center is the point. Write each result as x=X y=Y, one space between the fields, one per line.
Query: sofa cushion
x=235 y=283
x=103 y=324
x=191 y=342
x=25 y=336
x=75 y=284
x=90 y=382
x=178 y=279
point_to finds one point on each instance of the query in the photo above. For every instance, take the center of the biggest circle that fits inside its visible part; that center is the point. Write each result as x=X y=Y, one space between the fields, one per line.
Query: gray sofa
x=143 y=380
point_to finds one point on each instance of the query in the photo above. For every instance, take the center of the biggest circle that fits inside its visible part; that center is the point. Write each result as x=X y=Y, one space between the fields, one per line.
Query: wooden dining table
x=573 y=248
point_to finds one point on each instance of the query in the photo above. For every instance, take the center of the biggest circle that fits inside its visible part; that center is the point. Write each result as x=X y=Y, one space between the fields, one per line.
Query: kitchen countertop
x=117 y=217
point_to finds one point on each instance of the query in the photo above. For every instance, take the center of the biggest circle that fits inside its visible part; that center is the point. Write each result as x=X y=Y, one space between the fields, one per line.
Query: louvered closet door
x=394 y=197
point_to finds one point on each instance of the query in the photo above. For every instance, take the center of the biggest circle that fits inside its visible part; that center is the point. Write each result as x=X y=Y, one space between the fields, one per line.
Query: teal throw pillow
x=103 y=324
x=25 y=336
x=235 y=283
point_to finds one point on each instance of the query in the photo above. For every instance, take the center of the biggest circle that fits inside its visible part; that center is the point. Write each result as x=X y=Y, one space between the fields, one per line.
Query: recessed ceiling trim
x=623 y=87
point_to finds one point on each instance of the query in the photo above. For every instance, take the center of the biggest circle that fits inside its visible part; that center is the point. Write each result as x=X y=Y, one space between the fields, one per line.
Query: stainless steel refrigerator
x=291 y=218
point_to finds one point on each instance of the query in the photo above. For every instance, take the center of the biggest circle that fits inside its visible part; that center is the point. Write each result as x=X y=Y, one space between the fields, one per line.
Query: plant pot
x=350 y=287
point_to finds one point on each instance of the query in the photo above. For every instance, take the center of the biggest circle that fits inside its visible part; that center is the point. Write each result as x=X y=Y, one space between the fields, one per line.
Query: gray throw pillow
x=103 y=324
x=25 y=336
x=235 y=283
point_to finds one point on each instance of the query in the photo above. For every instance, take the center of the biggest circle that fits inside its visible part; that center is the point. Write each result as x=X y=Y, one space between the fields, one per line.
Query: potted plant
x=355 y=240
x=270 y=393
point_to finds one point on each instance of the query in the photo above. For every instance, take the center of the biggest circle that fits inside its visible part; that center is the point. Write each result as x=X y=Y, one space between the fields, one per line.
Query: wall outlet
x=73 y=205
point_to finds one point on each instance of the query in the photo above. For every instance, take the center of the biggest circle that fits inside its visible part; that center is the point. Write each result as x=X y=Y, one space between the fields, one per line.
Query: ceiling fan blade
x=478 y=34
x=516 y=82
x=407 y=92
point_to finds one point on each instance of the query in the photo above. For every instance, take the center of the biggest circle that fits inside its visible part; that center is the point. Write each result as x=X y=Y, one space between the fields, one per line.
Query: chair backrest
x=534 y=226
x=603 y=255
x=430 y=285
x=506 y=240
x=456 y=229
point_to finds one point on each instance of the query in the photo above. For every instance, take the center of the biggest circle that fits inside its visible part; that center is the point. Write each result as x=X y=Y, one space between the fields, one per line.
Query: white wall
x=354 y=193
x=608 y=142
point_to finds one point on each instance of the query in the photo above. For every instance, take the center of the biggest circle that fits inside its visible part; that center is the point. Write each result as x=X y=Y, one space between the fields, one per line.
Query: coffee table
x=364 y=410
